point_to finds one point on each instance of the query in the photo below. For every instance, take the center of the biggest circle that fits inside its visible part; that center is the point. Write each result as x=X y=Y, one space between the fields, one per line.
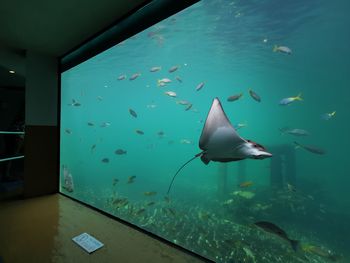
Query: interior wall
x=41 y=140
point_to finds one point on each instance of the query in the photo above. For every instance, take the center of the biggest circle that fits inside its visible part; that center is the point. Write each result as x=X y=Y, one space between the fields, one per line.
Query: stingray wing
x=218 y=131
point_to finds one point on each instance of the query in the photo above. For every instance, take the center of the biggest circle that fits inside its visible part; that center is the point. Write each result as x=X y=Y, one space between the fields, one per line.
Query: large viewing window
x=133 y=114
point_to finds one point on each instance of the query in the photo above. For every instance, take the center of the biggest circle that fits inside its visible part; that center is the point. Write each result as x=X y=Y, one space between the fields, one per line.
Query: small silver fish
x=183 y=102
x=188 y=107
x=68 y=131
x=178 y=79
x=155 y=69
x=173 y=69
x=282 y=49
x=171 y=93
x=151 y=106
x=200 y=86
x=90 y=124
x=186 y=141
x=240 y=126
x=121 y=77
x=295 y=132
x=254 y=95
x=234 y=97
x=105 y=124
x=135 y=76
x=164 y=81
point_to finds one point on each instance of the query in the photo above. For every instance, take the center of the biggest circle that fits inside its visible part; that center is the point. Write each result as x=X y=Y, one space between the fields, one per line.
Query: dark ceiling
x=52 y=28
x=55 y=27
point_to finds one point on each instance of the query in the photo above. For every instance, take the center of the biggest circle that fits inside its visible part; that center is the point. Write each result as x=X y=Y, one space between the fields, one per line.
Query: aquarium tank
x=250 y=100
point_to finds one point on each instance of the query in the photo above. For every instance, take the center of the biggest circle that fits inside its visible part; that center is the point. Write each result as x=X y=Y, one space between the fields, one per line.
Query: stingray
x=220 y=142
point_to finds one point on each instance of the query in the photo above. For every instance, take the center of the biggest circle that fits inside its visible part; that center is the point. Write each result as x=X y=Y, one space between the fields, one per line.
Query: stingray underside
x=218 y=136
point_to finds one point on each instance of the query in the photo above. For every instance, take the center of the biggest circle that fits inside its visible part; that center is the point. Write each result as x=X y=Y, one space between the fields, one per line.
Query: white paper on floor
x=87 y=242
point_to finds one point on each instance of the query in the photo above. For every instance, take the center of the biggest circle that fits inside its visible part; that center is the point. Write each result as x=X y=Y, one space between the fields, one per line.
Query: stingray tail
x=294 y=244
x=182 y=166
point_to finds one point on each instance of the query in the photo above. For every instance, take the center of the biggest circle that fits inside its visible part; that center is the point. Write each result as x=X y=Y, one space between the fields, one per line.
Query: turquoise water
x=227 y=45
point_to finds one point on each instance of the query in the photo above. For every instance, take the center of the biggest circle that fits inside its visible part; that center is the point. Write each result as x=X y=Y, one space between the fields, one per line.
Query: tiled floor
x=40 y=230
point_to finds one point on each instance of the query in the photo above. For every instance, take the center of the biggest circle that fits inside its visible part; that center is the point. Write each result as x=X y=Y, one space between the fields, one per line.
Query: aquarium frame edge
x=138 y=19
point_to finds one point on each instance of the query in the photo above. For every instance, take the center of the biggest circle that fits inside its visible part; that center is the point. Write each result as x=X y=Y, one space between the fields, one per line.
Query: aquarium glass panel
x=255 y=96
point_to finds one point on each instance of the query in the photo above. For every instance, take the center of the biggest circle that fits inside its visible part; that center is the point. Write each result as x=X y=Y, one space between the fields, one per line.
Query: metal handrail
x=10 y=132
x=11 y=158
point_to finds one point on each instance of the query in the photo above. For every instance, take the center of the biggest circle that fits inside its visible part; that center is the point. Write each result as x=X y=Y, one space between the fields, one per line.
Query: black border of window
x=139 y=19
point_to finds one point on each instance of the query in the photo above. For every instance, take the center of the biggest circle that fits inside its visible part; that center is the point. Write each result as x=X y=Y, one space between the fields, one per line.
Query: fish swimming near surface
x=173 y=69
x=220 y=142
x=189 y=106
x=254 y=95
x=178 y=79
x=200 y=86
x=234 y=97
x=309 y=148
x=151 y=106
x=287 y=101
x=121 y=77
x=155 y=69
x=105 y=124
x=186 y=141
x=68 y=131
x=295 y=132
x=183 y=102
x=120 y=152
x=274 y=229
x=171 y=94
x=164 y=81
x=282 y=49
x=139 y=132
x=90 y=124
x=240 y=126
x=133 y=113
x=328 y=116
x=135 y=76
